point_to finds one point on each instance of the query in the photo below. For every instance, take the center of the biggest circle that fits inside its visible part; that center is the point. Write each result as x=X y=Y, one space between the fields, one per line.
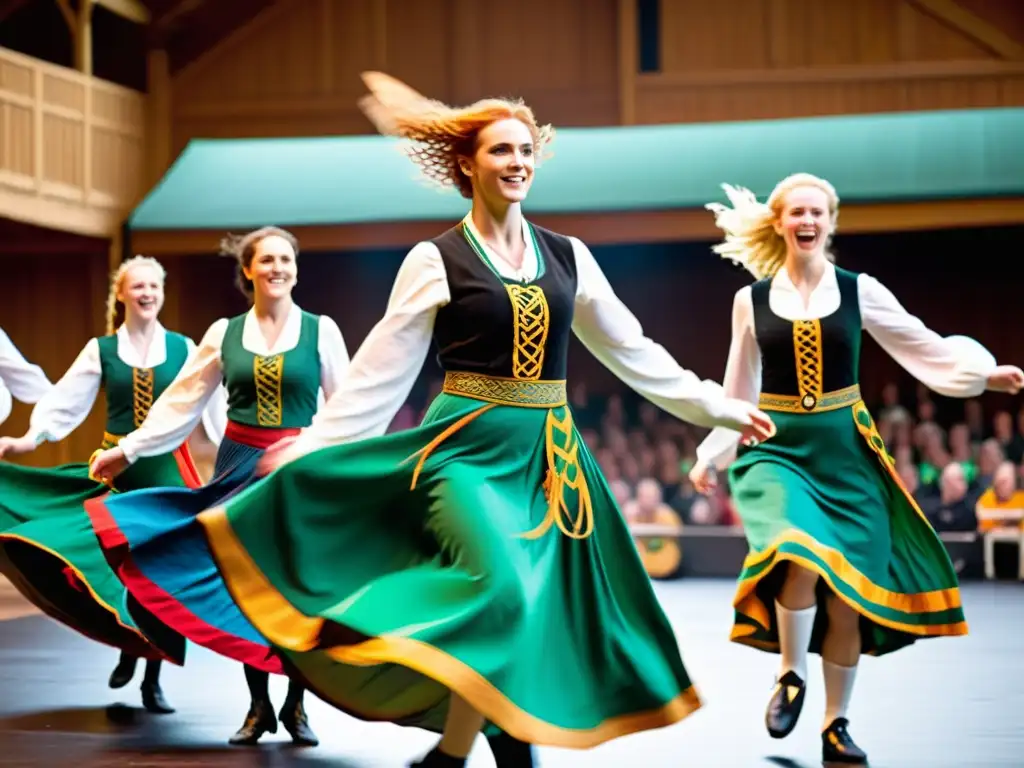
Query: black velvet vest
x=807 y=359
x=506 y=328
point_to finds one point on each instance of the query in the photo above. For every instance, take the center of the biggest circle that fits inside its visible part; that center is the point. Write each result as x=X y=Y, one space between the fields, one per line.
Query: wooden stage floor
x=947 y=703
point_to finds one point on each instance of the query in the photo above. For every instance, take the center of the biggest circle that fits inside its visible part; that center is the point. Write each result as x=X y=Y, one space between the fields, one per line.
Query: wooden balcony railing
x=71 y=147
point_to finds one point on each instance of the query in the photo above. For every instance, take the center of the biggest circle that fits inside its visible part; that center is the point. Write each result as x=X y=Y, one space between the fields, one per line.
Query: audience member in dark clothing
x=955 y=512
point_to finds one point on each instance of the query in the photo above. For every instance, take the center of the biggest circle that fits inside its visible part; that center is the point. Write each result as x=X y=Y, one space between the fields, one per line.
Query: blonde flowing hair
x=117 y=280
x=439 y=134
x=749 y=225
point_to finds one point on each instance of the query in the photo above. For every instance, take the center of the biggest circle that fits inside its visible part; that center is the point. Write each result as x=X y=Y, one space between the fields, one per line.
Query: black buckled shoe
x=123 y=672
x=785 y=705
x=438 y=759
x=837 y=746
x=153 y=699
x=293 y=718
x=510 y=752
x=259 y=721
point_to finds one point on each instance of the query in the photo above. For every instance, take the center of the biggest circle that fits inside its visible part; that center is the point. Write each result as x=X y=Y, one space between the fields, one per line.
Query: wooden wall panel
x=763 y=59
x=58 y=305
x=1006 y=15
x=747 y=59
x=809 y=33
x=760 y=94
x=416 y=46
x=925 y=38
x=721 y=36
x=294 y=70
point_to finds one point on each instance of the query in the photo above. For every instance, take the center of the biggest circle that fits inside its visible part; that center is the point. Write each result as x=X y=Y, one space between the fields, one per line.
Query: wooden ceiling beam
x=971 y=25
x=215 y=23
x=133 y=10
x=168 y=14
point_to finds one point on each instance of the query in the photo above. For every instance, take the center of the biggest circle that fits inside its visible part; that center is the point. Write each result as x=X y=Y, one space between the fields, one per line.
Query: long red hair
x=440 y=134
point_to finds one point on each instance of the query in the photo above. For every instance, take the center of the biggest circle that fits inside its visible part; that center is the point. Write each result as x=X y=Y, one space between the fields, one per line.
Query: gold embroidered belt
x=504 y=391
x=110 y=439
x=810 y=403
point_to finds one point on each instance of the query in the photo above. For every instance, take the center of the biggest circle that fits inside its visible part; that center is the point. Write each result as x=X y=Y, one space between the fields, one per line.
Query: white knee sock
x=838 y=689
x=794 y=637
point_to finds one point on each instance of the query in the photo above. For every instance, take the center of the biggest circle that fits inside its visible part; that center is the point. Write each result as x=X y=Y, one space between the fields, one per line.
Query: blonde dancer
x=842 y=561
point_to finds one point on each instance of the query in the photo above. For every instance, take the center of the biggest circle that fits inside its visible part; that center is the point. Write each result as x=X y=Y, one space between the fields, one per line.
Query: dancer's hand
x=12 y=446
x=273 y=457
x=703 y=477
x=107 y=465
x=761 y=428
x=1006 y=378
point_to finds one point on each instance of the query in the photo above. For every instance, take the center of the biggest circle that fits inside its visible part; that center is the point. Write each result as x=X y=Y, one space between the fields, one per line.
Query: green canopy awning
x=910 y=156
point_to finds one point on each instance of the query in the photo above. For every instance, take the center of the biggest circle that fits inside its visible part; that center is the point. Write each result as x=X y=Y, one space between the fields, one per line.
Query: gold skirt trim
x=505 y=391
x=809 y=403
x=285 y=626
x=23 y=585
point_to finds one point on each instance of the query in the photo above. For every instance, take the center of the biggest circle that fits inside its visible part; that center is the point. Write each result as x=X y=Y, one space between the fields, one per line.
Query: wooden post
x=158 y=116
x=83 y=38
x=80 y=26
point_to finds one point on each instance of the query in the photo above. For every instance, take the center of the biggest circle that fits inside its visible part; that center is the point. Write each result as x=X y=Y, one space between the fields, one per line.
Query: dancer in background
x=842 y=561
x=48 y=546
x=18 y=378
x=475 y=568
x=274 y=360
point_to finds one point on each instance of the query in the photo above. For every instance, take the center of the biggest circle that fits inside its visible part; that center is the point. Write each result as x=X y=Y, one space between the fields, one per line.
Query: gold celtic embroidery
x=142 y=393
x=564 y=473
x=547 y=394
x=530 y=332
x=807 y=346
x=868 y=430
x=267 y=374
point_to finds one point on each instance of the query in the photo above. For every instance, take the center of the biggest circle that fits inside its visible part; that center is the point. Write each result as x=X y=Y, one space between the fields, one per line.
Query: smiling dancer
x=274 y=360
x=49 y=549
x=475 y=568
x=842 y=561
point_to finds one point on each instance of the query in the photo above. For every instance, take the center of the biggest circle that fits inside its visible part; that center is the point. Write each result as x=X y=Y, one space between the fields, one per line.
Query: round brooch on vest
x=808 y=402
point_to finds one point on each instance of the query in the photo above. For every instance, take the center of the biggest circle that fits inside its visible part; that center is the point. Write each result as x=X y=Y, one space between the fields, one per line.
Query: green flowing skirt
x=480 y=553
x=50 y=553
x=823 y=493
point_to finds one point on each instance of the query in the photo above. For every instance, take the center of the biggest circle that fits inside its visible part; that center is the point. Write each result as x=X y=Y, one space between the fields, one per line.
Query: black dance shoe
x=438 y=759
x=123 y=672
x=786 y=703
x=510 y=752
x=837 y=746
x=153 y=699
x=293 y=718
x=259 y=721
